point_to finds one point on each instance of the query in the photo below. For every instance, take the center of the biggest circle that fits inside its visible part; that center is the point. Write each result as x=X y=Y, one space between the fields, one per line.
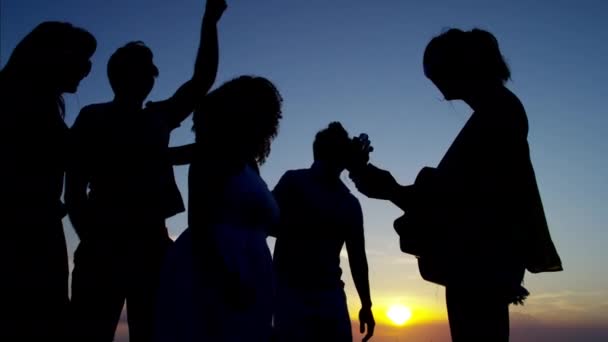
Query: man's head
x=332 y=146
x=131 y=71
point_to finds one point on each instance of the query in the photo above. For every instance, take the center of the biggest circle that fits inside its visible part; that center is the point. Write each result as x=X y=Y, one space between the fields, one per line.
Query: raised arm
x=355 y=247
x=183 y=102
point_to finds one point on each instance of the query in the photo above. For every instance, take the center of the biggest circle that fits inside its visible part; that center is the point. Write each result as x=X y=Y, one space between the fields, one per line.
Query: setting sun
x=399 y=314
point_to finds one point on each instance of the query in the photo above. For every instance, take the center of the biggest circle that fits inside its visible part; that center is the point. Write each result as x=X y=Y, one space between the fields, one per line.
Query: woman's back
x=195 y=301
x=238 y=197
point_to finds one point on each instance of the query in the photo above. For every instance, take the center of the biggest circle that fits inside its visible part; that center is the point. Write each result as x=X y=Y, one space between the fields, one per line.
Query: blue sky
x=359 y=62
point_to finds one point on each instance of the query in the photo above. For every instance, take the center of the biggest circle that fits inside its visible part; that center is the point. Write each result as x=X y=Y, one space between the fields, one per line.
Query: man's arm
x=77 y=176
x=355 y=247
x=183 y=102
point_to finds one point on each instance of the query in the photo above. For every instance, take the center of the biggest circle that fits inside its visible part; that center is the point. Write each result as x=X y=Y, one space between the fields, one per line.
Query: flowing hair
x=39 y=52
x=244 y=114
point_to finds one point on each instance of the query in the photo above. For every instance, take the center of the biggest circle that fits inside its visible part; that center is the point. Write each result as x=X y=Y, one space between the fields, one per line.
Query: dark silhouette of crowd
x=475 y=222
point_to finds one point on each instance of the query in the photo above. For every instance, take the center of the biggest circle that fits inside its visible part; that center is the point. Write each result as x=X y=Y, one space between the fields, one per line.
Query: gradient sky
x=359 y=62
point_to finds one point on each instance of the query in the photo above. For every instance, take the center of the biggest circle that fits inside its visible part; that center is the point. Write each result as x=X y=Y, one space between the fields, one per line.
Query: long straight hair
x=38 y=53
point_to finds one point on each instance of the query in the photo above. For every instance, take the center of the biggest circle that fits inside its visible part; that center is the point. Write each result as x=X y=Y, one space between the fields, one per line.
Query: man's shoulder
x=297 y=174
x=94 y=112
x=290 y=181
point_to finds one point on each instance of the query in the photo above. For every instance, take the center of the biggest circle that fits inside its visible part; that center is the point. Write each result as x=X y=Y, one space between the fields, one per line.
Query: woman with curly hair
x=50 y=60
x=217 y=284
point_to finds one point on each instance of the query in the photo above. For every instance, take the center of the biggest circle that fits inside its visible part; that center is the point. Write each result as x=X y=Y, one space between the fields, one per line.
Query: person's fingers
x=371 y=327
x=370 y=331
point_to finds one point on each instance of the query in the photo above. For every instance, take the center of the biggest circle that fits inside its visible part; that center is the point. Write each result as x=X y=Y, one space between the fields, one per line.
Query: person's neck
x=484 y=96
x=327 y=170
x=129 y=103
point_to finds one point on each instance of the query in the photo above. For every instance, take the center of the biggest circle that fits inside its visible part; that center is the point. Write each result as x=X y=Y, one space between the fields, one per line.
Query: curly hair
x=241 y=116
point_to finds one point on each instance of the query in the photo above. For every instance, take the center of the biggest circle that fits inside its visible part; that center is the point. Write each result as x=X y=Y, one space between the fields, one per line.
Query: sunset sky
x=360 y=62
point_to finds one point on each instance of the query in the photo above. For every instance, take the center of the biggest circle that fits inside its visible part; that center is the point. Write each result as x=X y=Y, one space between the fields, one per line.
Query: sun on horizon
x=399 y=314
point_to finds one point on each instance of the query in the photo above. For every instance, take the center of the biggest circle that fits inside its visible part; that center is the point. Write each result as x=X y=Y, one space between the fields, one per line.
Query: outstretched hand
x=214 y=9
x=366 y=318
x=374 y=182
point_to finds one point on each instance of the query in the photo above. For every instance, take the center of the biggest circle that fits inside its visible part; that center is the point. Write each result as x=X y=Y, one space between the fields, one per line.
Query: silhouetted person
x=476 y=221
x=318 y=216
x=49 y=61
x=120 y=188
x=217 y=280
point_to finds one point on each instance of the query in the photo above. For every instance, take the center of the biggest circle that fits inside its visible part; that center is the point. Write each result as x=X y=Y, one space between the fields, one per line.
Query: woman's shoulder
x=249 y=177
x=509 y=115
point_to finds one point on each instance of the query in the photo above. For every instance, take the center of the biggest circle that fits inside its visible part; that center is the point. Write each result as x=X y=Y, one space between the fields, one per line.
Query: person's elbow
x=203 y=83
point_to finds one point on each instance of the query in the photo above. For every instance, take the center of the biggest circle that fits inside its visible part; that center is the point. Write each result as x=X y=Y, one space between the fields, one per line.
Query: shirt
x=126 y=157
x=318 y=214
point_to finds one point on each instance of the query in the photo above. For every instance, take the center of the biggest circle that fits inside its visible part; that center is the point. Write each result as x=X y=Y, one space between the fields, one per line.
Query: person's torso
x=243 y=201
x=315 y=220
x=485 y=169
x=130 y=165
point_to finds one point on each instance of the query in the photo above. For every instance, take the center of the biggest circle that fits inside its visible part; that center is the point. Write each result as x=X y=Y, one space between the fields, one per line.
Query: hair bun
x=484 y=38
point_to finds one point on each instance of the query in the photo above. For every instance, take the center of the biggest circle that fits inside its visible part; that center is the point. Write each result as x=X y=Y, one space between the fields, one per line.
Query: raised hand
x=359 y=153
x=214 y=9
x=364 y=147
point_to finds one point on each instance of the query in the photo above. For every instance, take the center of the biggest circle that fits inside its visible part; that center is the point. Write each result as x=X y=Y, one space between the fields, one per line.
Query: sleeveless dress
x=193 y=304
